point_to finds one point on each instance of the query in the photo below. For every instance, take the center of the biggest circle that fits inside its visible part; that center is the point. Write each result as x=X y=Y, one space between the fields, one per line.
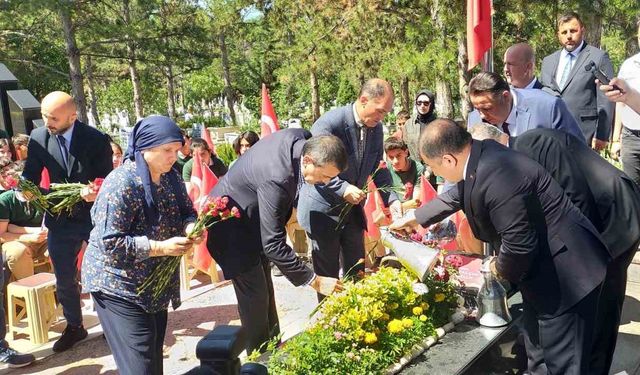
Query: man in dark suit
x=72 y=152
x=359 y=127
x=607 y=197
x=517 y=110
x=563 y=71
x=264 y=185
x=546 y=246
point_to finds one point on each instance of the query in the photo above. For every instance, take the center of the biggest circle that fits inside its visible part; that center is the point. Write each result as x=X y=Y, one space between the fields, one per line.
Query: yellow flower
x=385 y=317
x=439 y=297
x=425 y=306
x=423 y=318
x=417 y=310
x=407 y=323
x=370 y=338
x=394 y=306
x=395 y=326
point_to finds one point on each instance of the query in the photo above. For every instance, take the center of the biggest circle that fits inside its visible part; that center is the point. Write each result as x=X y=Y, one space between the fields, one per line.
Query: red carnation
x=382 y=165
x=97 y=184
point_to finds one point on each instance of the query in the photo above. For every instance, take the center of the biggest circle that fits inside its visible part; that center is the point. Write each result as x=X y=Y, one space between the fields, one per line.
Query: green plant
x=225 y=153
x=368 y=327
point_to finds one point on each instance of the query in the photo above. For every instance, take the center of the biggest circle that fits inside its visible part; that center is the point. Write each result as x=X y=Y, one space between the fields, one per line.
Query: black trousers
x=134 y=335
x=609 y=312
x=561 y=344
x=333 y=247
x=257 y=305
x=64 y=249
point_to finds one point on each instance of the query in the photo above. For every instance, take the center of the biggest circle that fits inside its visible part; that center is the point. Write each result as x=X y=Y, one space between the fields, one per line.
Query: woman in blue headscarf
x=141 y=215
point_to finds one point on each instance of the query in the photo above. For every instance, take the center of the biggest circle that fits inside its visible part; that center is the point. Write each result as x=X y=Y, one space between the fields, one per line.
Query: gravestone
x=24 y=108
x=7 y=82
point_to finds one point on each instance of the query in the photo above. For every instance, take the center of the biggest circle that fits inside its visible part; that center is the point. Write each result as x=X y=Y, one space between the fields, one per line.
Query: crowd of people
x=562 y=222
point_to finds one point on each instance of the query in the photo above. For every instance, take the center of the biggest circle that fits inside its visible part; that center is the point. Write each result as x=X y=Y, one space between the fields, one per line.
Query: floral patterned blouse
x=117 y=260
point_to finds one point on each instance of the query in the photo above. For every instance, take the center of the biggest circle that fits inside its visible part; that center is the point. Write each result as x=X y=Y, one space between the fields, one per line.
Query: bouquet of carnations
x=63 y=197
x=213 y=211
x=32 y=193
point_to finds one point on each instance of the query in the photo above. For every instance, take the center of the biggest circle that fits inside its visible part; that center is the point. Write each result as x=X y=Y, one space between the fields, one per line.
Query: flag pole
x=487 y=59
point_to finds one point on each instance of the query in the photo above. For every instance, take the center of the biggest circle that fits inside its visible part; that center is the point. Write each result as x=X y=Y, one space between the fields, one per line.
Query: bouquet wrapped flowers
x=214 y=211
x=63 y=197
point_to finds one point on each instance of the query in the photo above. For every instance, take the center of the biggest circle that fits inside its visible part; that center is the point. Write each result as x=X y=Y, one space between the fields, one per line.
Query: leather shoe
x=70 y=337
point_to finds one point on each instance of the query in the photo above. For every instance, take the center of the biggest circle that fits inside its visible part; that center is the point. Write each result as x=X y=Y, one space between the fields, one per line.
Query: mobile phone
x=600 y=75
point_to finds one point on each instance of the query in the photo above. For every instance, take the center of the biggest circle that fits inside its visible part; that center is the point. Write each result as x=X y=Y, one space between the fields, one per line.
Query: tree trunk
x=133 y=70
x=75 y=68
x=405 y=98
x=171 y=99
x=444 y=104
x=593 y=22
x=226 y=75
x=463 y=77
x=93 y=102
x=315 y=94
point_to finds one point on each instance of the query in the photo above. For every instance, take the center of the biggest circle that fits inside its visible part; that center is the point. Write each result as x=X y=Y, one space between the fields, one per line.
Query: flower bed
x=370 y=326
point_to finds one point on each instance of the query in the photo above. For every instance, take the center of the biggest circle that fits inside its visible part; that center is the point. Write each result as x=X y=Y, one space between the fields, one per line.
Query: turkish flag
x=195 y=180
x=201 y=257
x=427 y=192
x=478 y=30
x=206 y=136
x=268 y=121
x=370 y=207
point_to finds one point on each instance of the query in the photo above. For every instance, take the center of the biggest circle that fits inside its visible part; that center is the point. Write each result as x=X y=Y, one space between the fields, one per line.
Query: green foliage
x=367 y=327
x=226 y=153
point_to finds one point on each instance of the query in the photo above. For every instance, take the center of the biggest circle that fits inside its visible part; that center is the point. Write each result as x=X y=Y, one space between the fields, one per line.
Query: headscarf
x=152 y=131
x=426 y=118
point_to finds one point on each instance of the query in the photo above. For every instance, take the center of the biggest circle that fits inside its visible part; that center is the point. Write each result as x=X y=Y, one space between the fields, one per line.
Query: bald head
x=374 y=101
x=58 y=112
x=519 y=64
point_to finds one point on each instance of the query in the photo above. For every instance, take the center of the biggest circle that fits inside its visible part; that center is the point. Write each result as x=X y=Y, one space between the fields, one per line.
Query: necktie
x=567 y=70
x=362 y=140
x=65 y=151
x=505 y=128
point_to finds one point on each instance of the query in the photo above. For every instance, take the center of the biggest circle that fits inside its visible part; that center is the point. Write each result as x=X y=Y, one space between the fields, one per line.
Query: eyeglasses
x=418 y=102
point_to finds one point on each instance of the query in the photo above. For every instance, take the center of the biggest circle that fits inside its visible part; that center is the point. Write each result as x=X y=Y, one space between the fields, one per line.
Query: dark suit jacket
x=89 y=157
x=588 y=104
x=326 y=199
x=547 y=247
x=263 y=184
x=604 y=194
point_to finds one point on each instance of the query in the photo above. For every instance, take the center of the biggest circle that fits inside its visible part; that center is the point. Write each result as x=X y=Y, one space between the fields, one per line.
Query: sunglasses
x=423 y=103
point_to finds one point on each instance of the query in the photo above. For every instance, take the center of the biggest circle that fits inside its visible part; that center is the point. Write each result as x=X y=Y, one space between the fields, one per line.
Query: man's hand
x=188 y=229
x=353 y=195
x=598 y=144
x=174 y=246
x=614 y=94
x=405 y=225
x=396 y=210
x=326 y=285
x=88 y=194
x=411 y=204
x=615 y=150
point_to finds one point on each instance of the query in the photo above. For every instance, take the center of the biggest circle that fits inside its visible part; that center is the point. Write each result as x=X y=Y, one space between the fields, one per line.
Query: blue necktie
x=566 y=71
x=65 y=151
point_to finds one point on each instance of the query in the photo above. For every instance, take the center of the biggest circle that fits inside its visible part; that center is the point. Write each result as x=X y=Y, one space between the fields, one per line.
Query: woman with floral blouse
x=141 y=216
